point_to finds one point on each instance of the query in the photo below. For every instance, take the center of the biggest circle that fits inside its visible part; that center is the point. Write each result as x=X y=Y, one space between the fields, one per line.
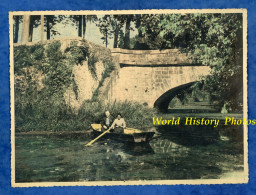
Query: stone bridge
x=152 y=77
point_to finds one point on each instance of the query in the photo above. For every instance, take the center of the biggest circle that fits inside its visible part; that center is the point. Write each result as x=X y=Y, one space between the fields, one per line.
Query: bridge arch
x=163 y=101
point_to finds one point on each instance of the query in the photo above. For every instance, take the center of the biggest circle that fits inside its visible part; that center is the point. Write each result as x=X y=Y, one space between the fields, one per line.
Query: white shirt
x=107 y=121
x=119 y=123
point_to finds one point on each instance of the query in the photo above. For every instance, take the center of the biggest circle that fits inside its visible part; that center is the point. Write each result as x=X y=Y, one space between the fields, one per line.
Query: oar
x=91 y=142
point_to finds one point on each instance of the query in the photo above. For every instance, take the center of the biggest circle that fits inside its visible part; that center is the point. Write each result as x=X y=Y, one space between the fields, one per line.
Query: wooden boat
x=129 y=135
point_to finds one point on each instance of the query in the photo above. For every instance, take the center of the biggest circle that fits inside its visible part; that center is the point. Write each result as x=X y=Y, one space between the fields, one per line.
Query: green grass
x=60 y=117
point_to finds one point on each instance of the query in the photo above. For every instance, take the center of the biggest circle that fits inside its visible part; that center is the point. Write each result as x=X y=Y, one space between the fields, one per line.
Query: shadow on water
x=192 y=136
x=132 y=149
x=189 y=135
x=138 y=149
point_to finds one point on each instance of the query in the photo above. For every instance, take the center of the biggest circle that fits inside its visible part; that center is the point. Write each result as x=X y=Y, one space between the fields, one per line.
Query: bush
x=42 y=75
x=57 y=116
x=136 y=115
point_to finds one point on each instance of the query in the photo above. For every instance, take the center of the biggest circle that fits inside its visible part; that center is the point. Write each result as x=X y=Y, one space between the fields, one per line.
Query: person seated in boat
x=118 y=124
x=107 y=121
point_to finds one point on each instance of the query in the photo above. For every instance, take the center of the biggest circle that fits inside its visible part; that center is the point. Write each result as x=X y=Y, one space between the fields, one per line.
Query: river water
x=170 y=155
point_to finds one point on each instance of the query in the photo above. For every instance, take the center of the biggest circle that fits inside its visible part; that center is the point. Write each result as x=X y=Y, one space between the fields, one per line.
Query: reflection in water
x=190 y=135
x=167 y=157
x=138 y=149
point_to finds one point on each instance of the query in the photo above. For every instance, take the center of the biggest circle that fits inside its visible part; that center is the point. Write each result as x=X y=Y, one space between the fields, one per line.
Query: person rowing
x=118 y=124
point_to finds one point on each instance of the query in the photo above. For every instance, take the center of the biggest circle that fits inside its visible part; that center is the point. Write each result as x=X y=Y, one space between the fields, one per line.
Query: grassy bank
x=61 y=117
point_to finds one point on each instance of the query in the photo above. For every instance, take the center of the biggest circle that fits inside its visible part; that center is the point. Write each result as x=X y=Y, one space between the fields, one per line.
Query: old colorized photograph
x=133 y=97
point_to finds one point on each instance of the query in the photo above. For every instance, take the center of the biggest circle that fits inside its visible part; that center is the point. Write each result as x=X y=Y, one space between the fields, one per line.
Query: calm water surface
x=169 y=156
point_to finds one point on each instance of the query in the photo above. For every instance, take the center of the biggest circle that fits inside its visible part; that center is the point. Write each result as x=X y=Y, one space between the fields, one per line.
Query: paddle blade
x=91 y=142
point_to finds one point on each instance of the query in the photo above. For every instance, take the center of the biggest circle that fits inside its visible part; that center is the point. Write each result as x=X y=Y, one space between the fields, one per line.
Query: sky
x=66 y=29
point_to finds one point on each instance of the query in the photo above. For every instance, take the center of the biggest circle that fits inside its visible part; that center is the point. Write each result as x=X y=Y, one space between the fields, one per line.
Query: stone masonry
x=145 y=76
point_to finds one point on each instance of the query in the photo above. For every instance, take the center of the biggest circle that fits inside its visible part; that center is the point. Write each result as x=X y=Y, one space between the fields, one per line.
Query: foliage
x=214 y=42
x=96 y=54
x=121 y=39
x=92 y=60
x=79 y=21
x=16 y=22
x=212 y=39
x=135 y=114
x=77 y=54
x=42 y=75
x=104 y=25
x=58 y=73
x=111 y=26
x=109 y=67
x=149 y=32
x=51 y=21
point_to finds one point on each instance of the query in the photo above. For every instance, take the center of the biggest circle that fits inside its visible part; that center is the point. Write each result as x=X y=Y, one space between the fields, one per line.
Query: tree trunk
x=48 y=30
x=106 y=38
x=42 y=27
x=84 y=26
x=138 y=25
x=116 y=35
x=80 y=26
x=30 y=36
x=25 y=31
x=16 y=29
x=127 y=33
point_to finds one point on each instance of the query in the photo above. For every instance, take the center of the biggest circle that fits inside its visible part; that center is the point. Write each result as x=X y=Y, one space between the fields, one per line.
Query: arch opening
x=163 y=101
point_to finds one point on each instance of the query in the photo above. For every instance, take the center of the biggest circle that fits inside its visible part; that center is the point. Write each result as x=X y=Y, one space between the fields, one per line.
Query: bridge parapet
x=151 y=57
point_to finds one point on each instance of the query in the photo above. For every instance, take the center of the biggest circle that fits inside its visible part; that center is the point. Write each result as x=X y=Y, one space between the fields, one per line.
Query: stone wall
x=147 y=84
x=106 y=91
x=86 y=84
x=144 y=76
x=151 y=57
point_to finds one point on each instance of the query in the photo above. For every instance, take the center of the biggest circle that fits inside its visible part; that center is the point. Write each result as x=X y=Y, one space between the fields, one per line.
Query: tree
x=214 y=41
x=34 y=22
x=84 y=18
x=121 y=39
x=51 y=21
x=42 y=27
x=17 y=21
x=117 y=25
x=148 y=32
x=25 y=29
x=29 y=23
x=105 y=28
x=127 y=31
x=77 y=20
x=80 y=21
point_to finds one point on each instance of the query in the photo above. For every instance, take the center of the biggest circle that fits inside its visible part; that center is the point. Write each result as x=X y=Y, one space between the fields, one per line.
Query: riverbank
x=85 y=133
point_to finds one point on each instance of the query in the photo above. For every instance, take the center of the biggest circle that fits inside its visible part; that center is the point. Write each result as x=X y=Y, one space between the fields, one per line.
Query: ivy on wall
x=43 y=72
